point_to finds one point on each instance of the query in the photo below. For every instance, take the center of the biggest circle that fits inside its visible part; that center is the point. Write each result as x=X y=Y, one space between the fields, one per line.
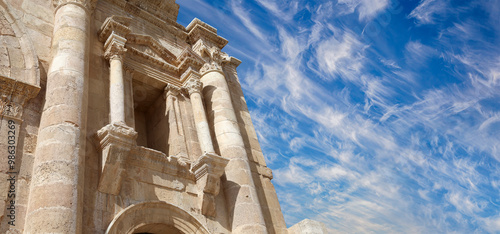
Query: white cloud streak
x=428 y=10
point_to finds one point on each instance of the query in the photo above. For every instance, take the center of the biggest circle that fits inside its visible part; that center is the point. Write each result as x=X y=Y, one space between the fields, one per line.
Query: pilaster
x=176 y=140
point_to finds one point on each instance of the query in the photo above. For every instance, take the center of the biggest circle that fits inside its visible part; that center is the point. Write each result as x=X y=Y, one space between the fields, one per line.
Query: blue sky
x=375 y=115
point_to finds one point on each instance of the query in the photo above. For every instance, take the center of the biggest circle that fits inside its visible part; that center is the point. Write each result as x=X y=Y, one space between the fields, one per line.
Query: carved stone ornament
x=193 y=85
x=114 y=24
x=214 y=59
x=11 y=109
x=14 y=95
x=113 y=33
x=89 y=5
x=171 y=89
x=208 y=169
x=115 y=47
x=116 y=132
x=116 y=141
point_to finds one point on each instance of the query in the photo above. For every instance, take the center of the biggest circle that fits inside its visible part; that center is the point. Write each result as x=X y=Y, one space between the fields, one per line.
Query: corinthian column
x=239 y=188
x=113 y=32
x=193 y=85
x=55 y=199
x=115 y=49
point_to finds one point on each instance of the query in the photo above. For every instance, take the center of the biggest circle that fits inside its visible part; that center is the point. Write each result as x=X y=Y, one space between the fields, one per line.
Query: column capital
x=114 y=48
x=113 y=33
x=88 y=5
x=14 y=95
x=193 y=85
x=171 y=90
x=213 y=56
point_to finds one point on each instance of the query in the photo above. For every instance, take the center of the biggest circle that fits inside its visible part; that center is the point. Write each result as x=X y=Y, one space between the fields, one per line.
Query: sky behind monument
x=375 y=115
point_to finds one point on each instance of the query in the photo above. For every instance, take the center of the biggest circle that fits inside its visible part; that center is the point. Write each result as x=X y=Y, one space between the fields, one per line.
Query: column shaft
x=55 y=199
x=200 y=119
x=239 y=188
x=116 y=90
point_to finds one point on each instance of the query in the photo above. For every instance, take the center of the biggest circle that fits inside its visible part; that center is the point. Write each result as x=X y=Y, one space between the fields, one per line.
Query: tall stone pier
x=56 y=194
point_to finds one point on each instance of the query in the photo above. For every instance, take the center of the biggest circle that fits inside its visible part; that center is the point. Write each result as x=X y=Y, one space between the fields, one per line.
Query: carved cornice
x=14 y=95
x=117 y=24
x=117 y=133
x=198 y=29
x=160 y=50
x=88 y=5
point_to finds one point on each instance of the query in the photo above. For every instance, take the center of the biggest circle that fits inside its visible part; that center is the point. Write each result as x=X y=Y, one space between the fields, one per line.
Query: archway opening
x=156 y=228
x=155 y=217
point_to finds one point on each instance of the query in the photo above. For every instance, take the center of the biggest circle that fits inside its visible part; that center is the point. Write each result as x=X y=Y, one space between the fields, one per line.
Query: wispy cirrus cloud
x=428 y=11
x=341 y=56
x=367 y=9
x=397 y=134
x=245 y=18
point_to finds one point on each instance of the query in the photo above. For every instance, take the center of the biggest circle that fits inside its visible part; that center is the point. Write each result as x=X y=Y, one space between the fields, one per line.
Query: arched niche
x=18 y=59
x=155 y=217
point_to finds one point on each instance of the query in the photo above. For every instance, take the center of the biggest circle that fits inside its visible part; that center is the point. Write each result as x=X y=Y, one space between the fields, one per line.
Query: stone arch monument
x=117 y=119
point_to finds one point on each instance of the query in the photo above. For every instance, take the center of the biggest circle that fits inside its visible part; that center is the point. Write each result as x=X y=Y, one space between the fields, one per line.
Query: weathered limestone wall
x=19 y=67
x=37 y=16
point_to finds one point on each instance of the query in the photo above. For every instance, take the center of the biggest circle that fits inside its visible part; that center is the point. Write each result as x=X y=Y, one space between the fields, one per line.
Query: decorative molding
x=10 y=109
x=14 y=95
x=155 y=46
x=171 y=90
x=213 y=57
x=116 y=133
x=88 y=5
x=114 y=48
x=198 y=29
x=113 y=33
x=208 y=169
x=117 y=24
x=193 y=85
